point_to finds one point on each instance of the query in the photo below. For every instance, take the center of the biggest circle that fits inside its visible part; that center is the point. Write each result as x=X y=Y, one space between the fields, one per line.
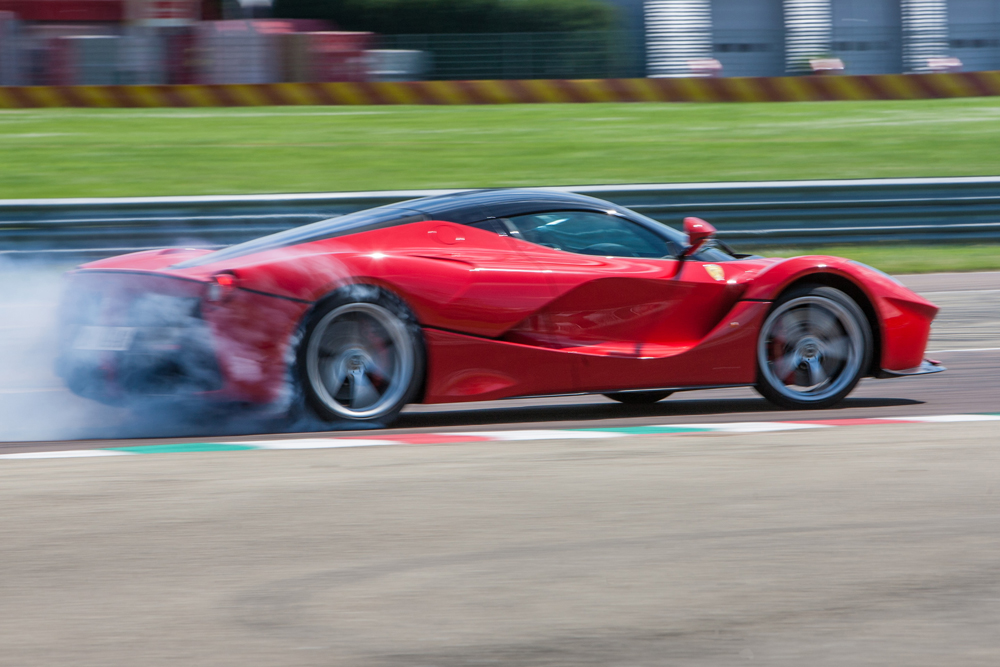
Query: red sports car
x=477 y=296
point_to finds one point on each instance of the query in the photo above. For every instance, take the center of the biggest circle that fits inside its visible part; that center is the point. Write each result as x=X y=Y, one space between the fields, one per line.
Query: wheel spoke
x=339 y=336
x=786 y=365
x=796 y=320
x=779 y=335
x=363 y=392
x=822 y=324
x=378 y=370
x=817 y=375
x=336 y=372
x=836 y=349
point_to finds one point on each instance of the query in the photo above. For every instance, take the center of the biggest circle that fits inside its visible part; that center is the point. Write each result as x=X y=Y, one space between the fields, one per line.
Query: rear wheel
x=638 y=397
x=362 y=357
x=813 y=349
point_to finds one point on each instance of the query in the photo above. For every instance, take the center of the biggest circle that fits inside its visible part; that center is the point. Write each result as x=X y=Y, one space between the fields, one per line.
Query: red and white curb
x=498 y=436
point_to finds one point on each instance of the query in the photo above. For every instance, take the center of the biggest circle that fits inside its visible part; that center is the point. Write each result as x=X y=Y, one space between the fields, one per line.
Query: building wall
x=748 y=37
x=974 y=33
x=807 y=33
x=677 y=31
x=775 y=37
x=867 y=35
x=925 y=33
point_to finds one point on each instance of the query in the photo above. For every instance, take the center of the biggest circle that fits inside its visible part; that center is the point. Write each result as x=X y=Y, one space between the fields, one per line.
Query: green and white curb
x=495 y=436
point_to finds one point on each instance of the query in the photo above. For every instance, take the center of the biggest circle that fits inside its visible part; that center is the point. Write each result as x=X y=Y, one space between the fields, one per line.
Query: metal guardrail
x=748 y=215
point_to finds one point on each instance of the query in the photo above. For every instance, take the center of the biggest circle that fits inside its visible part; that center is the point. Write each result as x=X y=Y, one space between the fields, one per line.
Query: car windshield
x=352 y=223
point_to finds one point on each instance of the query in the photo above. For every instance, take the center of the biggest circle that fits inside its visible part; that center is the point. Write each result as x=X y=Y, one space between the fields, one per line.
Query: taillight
x=221 y=286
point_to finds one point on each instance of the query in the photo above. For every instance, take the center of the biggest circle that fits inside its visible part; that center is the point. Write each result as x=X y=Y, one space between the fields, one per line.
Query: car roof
x=475 y=205
x=464 y=208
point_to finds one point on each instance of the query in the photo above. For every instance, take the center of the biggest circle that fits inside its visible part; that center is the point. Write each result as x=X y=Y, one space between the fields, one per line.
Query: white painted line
x=33 y=390
x=963 y=291
x=936 y=419
x=319 y=443
x=69 y=454
x=790 y=184
x=948 y=273
x=542 y=435
x=101 y=250
x=968 y=349
x=525 y=435
x=749 y=427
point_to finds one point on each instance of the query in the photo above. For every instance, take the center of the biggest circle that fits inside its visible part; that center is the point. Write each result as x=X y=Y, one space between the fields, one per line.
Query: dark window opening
x=590 y=233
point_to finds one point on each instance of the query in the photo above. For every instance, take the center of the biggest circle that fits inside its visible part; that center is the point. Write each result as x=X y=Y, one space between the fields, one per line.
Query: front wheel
x=362 y=357
x=813 y=349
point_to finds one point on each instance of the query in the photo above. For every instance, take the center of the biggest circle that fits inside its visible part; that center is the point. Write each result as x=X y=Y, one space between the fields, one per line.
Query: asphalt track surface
x=840 y=546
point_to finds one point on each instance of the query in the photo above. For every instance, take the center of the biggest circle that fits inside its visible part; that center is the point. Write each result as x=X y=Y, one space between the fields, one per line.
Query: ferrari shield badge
x=715 y=271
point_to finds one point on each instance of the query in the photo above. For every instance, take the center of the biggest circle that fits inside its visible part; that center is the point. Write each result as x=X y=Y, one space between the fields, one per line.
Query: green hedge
x=408 y=17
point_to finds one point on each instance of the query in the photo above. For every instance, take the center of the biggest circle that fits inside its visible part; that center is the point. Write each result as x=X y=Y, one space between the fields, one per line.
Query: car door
x=622 y=299
x=471 y=285
x=477 y=282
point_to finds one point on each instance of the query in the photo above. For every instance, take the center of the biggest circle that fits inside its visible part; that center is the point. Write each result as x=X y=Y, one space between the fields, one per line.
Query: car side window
x=589 y=233
x=490 y=226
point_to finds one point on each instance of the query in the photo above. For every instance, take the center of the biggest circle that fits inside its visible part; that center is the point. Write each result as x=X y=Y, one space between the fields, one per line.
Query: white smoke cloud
x=35 y=404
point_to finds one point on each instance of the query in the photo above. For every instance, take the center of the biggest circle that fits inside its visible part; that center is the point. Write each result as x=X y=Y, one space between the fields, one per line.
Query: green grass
x=899 y=259
x=84 y=152
x=128 y=152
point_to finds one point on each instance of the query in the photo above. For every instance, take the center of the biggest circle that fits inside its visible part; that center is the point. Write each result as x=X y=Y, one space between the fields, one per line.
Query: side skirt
x=924 y=368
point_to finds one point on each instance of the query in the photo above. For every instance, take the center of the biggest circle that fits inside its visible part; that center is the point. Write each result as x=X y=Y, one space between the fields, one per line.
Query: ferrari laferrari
x=477 y=296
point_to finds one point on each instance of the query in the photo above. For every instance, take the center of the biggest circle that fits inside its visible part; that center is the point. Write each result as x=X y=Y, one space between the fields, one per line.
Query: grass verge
x=141 y=152
x=900 y=259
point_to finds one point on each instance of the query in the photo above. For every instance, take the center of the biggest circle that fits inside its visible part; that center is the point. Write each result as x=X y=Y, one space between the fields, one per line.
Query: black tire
x=360 y=358
x=638 y=397
x=813 y=348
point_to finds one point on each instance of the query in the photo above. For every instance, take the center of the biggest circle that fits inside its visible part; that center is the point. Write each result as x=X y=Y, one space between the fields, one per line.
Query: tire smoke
x=35 y=404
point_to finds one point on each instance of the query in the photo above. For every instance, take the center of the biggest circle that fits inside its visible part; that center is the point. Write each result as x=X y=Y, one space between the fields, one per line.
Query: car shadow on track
x=569 y=415
x=550 y=415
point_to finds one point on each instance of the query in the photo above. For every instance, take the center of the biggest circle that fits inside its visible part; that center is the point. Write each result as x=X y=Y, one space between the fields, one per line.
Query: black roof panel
x=475 y=205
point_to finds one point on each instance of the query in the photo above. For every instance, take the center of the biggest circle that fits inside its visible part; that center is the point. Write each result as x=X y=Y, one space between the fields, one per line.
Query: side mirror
x=698 y=232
